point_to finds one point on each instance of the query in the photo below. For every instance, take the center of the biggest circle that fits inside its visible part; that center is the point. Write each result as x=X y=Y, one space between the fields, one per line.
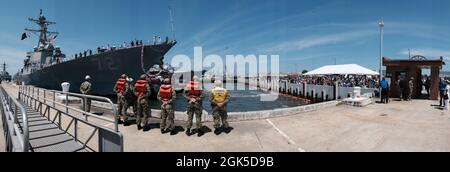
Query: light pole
x=381 y=24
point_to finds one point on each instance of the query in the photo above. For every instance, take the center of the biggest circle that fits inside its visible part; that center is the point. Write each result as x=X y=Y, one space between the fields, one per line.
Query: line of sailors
x=85 y=53
x=156 y=40
x=138 y=96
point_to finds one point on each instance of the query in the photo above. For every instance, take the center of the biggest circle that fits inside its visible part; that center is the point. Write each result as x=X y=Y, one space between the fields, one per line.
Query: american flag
x=53 y=40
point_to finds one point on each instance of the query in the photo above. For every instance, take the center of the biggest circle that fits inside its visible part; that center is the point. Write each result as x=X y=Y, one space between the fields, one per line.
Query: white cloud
x=359 y=32
x=428 y=52
x=314 y=41
x=209 y=34
x=308 y=57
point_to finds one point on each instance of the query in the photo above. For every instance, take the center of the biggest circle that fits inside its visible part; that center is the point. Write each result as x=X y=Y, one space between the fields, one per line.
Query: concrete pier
x=398 y=126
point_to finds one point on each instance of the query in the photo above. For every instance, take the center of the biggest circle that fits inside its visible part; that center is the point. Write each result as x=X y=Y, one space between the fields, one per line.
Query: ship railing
x=108 y=140
x=42 y=95
x=16 y=134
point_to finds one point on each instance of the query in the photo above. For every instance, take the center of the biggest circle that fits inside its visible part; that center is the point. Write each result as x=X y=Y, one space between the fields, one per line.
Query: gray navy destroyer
x=4 y=75
x=47 y=67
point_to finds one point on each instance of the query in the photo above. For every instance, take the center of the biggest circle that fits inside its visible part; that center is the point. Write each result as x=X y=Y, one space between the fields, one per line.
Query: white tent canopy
x=348 y=69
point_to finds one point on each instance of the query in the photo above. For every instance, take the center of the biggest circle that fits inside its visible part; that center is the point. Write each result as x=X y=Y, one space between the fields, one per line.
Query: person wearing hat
x=219 y=99
x=121 y=89
x=142 y=91
x=86 y=88
x=194 y=95
x=167 y=96
x=411 y=88
x=130 y=98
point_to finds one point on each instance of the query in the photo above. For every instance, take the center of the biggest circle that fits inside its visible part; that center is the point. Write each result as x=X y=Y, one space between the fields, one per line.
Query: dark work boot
x=139 y=127
x=200 y=133
x=126 y=123
x=173 y=132
x=145 y=127
x=163 y=131
x=228 y=130
x=188 y=132
x=217 y=131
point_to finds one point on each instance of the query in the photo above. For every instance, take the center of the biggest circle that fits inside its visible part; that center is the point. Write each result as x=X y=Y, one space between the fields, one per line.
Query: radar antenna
x=43 y=24
x=4 y=66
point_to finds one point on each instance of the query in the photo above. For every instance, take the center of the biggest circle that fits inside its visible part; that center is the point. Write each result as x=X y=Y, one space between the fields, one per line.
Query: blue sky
x=305 y=33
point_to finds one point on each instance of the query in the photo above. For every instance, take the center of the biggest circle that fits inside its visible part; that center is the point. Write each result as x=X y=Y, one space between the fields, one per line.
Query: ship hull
x=104 y=69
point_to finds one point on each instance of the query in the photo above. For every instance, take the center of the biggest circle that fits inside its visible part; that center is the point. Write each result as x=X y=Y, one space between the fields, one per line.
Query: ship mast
x=43 y=23
x=4 y=67
x=172 y=23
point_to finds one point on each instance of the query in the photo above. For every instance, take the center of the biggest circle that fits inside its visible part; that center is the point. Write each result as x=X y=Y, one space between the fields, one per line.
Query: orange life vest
x=193 y=89
x=141 y=87
x=165 y=91
x=120 y=85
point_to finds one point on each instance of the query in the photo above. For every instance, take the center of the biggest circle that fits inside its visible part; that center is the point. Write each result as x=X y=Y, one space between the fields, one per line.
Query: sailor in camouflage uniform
x=142 y=91
x=167 y=96
x=130 y=97
x=193 y=93
x=86 y=88
x=219 y=99
x=121 y=89
x=411 y=88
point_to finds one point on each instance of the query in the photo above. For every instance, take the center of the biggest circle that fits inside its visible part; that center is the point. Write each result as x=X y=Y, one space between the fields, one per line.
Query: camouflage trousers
x=122 y=104
x=167 y=115
x=410 y=93
x=87 y=105
x=143 y=112
x=196 y=109
x=220 y=114
x=129 y=102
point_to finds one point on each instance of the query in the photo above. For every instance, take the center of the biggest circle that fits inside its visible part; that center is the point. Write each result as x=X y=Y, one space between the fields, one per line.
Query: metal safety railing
x=16 y=134
x=37 y=98
x=41 y=95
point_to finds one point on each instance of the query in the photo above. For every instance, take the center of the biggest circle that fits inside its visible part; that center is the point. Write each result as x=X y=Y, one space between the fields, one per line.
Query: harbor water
x=240 y=100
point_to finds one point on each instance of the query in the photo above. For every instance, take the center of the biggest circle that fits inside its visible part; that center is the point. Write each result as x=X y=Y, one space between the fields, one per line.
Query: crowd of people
x=405 y=90
x=109 y=47
x=137 y=95
x=102 y=49
x=362 y=81
x=404 y=87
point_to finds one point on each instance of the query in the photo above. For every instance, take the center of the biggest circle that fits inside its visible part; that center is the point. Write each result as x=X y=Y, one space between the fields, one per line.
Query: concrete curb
x=243 y=116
